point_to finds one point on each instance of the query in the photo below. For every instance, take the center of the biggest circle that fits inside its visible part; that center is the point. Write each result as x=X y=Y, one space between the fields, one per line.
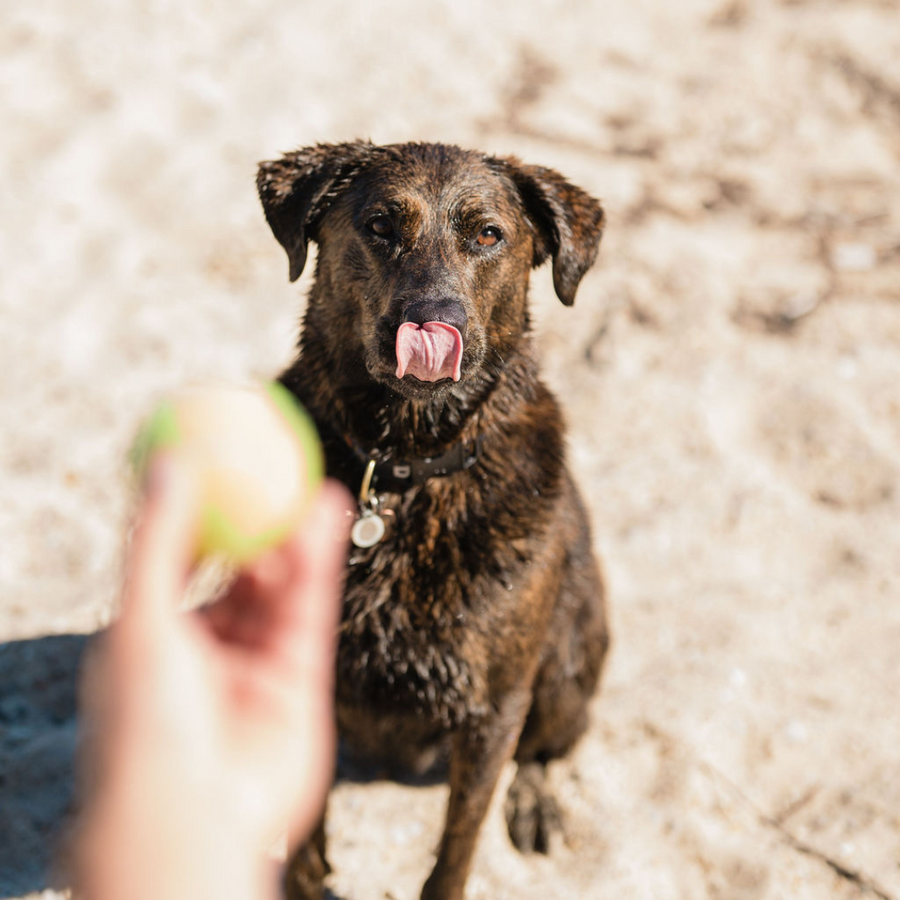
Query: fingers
x=301 y=585
x=163 y=543
x=307 y=624
x=321 y=553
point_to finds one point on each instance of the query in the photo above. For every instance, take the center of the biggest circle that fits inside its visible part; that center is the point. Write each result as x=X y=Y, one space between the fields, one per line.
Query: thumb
x=164 y=540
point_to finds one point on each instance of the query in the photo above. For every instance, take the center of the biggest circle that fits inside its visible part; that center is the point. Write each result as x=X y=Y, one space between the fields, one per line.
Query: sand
x=730 y=373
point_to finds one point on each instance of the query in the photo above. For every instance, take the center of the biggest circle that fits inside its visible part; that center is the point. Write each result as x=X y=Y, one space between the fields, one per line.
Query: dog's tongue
x=429 y=352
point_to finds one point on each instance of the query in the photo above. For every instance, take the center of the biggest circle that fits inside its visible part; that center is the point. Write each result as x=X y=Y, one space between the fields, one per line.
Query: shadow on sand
x=38 y=686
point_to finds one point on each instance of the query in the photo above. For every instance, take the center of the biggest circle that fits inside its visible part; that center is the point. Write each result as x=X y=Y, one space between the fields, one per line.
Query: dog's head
x=425 y=251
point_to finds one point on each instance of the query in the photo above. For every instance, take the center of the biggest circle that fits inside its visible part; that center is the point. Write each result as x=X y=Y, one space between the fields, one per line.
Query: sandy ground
x=730 y=372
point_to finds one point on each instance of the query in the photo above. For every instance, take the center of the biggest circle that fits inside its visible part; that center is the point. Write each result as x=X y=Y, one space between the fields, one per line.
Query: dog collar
x=398 y=476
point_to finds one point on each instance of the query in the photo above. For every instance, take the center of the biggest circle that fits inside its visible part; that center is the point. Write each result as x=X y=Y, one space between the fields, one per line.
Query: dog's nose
x=450 y=312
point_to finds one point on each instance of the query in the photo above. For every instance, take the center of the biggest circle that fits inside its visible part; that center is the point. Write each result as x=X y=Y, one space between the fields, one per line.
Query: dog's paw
x=532 y=814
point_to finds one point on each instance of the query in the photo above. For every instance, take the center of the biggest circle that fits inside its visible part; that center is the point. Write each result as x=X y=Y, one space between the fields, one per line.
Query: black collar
x=397 y=475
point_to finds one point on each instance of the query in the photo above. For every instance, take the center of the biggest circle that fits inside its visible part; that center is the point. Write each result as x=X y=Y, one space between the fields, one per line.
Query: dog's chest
x=417 y=630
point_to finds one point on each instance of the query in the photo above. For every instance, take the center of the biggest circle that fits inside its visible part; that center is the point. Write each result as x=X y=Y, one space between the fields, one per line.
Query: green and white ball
x=256 y=456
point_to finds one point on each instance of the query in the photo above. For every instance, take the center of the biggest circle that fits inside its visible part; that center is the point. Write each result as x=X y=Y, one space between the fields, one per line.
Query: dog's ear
x=296 y=189
x=568 y=223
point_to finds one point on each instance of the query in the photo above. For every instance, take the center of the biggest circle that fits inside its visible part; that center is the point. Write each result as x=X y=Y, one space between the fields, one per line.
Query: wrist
x=118 y=852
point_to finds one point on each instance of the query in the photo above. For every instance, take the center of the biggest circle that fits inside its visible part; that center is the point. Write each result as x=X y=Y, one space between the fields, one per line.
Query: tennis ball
x=256 y=457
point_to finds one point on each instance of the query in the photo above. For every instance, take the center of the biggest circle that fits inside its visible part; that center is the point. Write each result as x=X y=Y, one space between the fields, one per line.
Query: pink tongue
x=429 y=352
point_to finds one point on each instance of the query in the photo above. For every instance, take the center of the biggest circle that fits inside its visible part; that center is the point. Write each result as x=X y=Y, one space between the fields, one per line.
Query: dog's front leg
x=480 y=749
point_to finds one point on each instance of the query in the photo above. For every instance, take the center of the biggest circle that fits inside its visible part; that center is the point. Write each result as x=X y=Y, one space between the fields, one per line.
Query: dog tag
x=367 y=530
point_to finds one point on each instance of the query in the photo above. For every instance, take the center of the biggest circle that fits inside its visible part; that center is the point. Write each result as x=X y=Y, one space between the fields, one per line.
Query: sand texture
x=730 y=372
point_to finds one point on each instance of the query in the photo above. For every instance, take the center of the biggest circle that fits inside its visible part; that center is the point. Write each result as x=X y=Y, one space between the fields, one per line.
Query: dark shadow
x=351 y=767
x=38 y=687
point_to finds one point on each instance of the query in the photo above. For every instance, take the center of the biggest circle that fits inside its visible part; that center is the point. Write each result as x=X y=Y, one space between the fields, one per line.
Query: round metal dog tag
x=367 y=530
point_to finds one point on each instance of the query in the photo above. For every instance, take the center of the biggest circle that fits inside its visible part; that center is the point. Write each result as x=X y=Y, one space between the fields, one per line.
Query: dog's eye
x=489 y=237
x=381 y=225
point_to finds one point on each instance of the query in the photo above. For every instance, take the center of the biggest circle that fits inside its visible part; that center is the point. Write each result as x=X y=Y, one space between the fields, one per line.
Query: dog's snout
x=450 y=312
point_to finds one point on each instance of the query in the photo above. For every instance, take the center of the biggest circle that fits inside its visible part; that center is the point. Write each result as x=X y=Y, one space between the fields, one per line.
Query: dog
x=474 y=618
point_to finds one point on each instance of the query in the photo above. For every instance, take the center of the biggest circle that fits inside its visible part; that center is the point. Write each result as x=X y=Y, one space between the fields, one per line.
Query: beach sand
x=730 y=374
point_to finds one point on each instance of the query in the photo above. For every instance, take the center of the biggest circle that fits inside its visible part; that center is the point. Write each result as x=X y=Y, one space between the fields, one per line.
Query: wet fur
x=479 y=619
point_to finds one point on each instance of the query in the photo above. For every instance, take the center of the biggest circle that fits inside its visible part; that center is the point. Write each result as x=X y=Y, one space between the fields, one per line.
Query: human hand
x=209 y=732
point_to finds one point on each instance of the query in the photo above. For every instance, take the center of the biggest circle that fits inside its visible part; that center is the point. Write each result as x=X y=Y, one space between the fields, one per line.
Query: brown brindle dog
x=473 y=610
